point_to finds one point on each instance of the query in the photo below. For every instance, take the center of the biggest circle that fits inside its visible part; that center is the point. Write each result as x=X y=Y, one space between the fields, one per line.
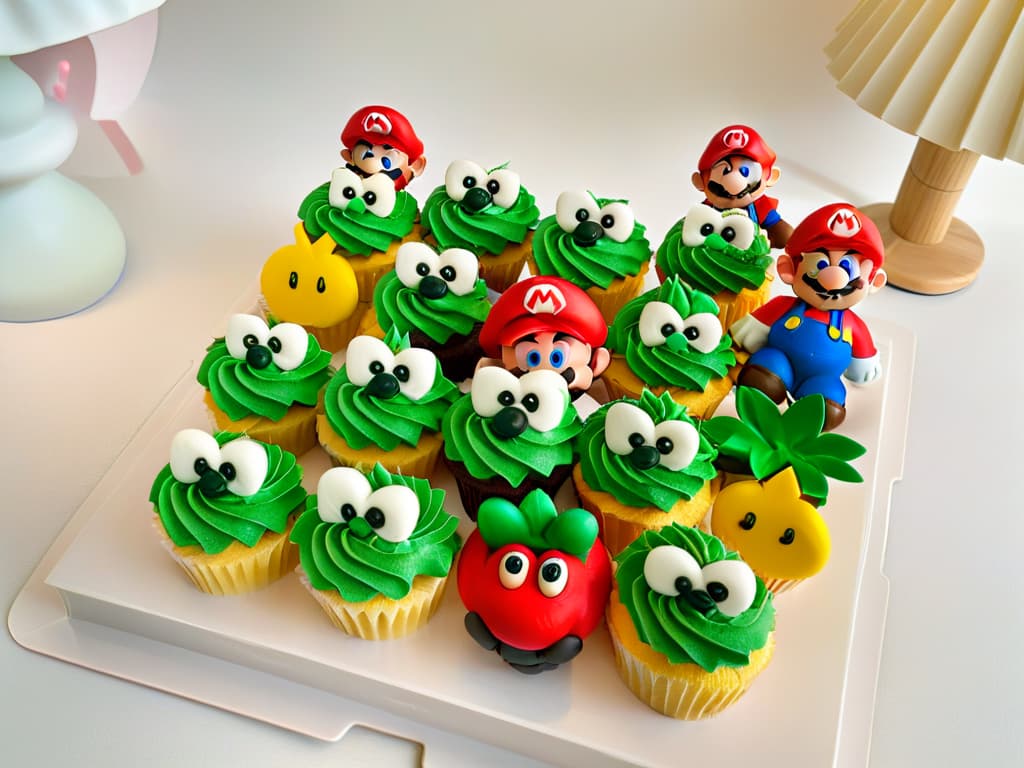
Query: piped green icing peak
x=675 y=628
x=679 y=364
x=408 y=310
x=484 y=232
x=537 y=524
x=354 y=232
x=715 y=265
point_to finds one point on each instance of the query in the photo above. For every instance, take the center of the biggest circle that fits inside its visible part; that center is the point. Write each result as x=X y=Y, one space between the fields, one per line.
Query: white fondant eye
x=462 y=176
x=544 y=398
x=658 y=321
x=341 y=494
x=503 y=185
x=245 y=331
x=513 y=570
x=192 y=451
x=700 y=221
x=365 y=357
x=392 y=512
x=670 y=570
x=627 y=427
x=552 y=576
x=244 y=465
x=493 y=388
x=413 y=262
x=737 y=228
x=379 y=195
x=677 y=442
x=288 y=344
x=415 y=369
x=731 y=584
x=345 y=187
x=617 y=221
x=460 y=269
x=702 y=331
x=575 y=206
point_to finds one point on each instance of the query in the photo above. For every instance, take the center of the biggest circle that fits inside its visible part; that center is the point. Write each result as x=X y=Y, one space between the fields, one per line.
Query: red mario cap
x=736 y=140
x=382 y=125
x=540 y=304
x=838 y=226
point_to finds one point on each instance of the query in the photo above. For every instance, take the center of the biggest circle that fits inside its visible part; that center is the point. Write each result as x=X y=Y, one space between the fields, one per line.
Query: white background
x=240 y=118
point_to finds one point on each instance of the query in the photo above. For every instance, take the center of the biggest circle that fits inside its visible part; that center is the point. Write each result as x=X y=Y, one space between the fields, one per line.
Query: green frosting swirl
x=715 y=265
x=241 y=390
x=670 y=365
x=659 y=486
x=406 y=309
x=357 y=233
x=673 y=627
x=471 y=439
x=555 y=252
x=191 y=518
x=365 y=420
x=485 y=232
x=334 y=556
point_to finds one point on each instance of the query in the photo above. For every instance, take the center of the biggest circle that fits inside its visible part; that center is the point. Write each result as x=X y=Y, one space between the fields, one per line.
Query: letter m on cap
x=544 y=298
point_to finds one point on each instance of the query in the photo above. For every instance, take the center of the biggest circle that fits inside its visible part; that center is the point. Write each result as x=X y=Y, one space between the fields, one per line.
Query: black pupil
x=607 y=221
x=667 y=330
x=691 y=333
x=748 y=521
x=448 y=273
x=728 y=234
x=293 y=279
x=250 y=340
x=493 y=187
x=469 y=182
x=582 y=214
x=664 y=446
x=422 y=269
x=274 y=343
x=506 y=398
x=717 y=590
x=370 y=198
x=228 y=470
x=348 y=193
x=551 y=572
x=788 y=536
x=683 y=585
x=376 y=367
x=375 y=517
x=348 y=512
x=401 y=372
x=706 y=229
x=531 y=403
x=321 y=286
x=514 y=564
x=636 y=439
x=200 y=466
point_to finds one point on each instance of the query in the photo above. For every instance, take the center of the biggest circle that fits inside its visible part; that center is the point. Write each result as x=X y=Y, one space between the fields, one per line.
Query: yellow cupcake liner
x=381 y=618
x=414 y=461
x=238 y=568
x=622 y=289
x=682 y=691
x=733 y=306
x=296 y=432
x=622 y=382
x=335 y=338
x=369 y=325
x=502 y=270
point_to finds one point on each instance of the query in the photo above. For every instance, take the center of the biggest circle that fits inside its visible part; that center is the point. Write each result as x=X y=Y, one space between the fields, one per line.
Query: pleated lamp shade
x=950 y=72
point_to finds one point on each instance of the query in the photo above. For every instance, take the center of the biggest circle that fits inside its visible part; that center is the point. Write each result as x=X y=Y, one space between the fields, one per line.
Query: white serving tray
x=107 y=597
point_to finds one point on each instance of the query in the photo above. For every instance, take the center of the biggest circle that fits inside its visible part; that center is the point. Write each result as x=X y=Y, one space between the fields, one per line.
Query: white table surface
x=240 y=118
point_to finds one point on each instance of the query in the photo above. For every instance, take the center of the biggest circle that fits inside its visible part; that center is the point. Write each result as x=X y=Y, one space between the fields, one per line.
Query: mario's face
x=573 y=359
x=831 y=279
x=734 y=181
x=367 y=159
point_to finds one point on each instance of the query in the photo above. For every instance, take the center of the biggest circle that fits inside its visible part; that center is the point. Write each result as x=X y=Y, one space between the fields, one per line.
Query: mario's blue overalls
x=809 y=356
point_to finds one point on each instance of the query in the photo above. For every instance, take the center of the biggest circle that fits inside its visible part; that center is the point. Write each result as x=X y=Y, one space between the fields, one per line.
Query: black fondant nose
x=699 y=599
x=383 y=386
x=644 y=456
x=587 y=233
x=258 y=357
x=477 y=199
x=433 y=287
x=509 y=422
x=212 y=482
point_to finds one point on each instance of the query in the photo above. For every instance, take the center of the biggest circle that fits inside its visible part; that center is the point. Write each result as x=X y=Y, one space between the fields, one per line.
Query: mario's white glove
x=864 y=369
x=750 y=333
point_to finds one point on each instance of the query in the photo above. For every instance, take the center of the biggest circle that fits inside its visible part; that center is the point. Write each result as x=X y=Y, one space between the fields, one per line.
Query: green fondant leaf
x=804 y=419
x=501 y=522
x=811 y=480
x=573 y=532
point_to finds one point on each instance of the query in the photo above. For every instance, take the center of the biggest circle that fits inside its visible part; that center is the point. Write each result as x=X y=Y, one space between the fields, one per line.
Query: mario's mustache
x=856 y=284
x=719 y=191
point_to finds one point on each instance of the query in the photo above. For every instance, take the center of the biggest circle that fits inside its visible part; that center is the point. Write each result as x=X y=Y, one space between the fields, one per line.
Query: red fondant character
x=735 y=171
x=380 y=139
x=802 y=345
x=547 y=322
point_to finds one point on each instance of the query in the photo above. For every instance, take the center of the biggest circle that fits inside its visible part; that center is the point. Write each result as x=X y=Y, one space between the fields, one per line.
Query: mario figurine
x=380 y=139
x=735 y=171
x=547 y=322
x=802 y=345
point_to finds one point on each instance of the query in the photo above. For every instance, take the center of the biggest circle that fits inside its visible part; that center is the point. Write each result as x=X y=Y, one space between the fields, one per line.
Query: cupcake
x=439 y=300
x=264 y=381
x=385 y=406
x=367 y=219
x=375 y=550
x=690 y=623
x=224 y=506
x=669 y=340
x=643 y=464
x=510 y=435
x=722 y=253
x=597 y=244
x=535 y=582
x=487 y=212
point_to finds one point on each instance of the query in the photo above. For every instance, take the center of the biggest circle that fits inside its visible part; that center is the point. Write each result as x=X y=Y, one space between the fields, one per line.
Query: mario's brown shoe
x=834 y=415
x=761 y=378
